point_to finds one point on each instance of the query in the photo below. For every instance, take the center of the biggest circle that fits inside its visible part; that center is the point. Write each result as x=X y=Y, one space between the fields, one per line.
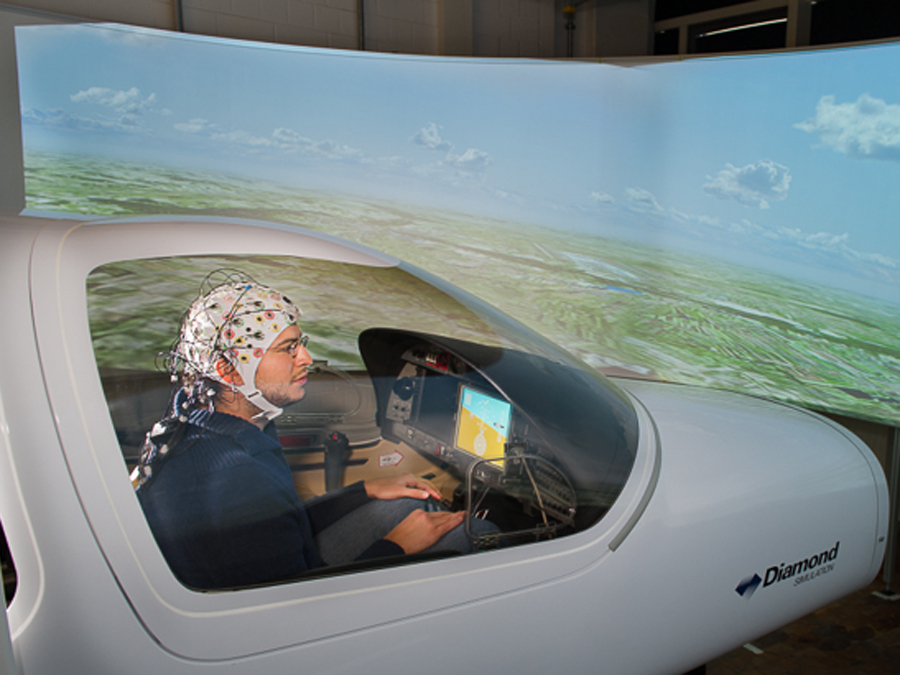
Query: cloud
x=430 y=137
x=124 y=102
x=281 y=139
x=867 y=129
x=291 y=141
x=470 y=161
x=827 y=240
x=751 y=185
x=335 y=150
x=241 y=138
x=878 y=259
x=834 y=247
x=825 y=249
x=290 y=137
x=602 y=199
x=62 y=119
x=457 y=168
x=643 y=200
x=109 y=110
x=473 y=161
x=195 y=126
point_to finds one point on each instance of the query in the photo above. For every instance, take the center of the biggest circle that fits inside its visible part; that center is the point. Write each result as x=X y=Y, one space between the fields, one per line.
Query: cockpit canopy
x=401 y=358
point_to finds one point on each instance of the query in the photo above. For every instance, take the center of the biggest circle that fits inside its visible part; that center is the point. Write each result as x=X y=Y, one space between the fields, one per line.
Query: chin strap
x=267 y=410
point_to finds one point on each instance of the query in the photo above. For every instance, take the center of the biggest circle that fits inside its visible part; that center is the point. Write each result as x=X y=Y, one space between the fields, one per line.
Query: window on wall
x=761 y=30
x=829 y=22
x=835 y=21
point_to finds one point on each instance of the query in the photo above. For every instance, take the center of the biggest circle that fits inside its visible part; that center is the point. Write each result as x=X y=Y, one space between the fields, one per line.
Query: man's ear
x=228 y=373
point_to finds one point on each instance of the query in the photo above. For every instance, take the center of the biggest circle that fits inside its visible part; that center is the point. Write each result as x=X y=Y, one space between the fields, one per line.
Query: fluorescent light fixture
x=746 y=26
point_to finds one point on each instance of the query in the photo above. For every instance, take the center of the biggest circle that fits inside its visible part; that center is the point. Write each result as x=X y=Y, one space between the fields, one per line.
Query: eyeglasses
x=294 y=346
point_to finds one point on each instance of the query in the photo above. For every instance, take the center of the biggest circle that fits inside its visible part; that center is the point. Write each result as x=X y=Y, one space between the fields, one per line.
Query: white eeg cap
x=237 y=321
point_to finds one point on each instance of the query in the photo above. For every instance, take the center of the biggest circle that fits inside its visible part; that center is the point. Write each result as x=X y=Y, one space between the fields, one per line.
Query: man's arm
x=327 y=509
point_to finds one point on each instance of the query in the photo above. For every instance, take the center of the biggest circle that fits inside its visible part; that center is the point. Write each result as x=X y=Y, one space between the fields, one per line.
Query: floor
x=858 y=635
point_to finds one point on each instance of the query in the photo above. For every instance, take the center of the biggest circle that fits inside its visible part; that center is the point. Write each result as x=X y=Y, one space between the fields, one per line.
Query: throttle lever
x=337 y=448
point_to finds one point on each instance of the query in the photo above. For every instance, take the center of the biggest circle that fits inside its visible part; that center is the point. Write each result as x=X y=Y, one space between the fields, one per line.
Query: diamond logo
x=748 y=586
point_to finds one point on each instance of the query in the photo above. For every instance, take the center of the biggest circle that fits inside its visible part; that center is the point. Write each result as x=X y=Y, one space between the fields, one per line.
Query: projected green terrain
x=623 y=307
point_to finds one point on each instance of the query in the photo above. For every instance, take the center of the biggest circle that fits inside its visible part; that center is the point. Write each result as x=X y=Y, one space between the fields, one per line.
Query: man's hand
x=401 y=486
x=419 y=529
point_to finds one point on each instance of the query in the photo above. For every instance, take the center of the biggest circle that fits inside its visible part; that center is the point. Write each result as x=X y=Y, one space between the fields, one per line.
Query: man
x=214 y=484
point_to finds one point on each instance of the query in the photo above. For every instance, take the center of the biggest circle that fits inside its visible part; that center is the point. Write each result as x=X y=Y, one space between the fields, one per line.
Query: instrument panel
x=447 y=410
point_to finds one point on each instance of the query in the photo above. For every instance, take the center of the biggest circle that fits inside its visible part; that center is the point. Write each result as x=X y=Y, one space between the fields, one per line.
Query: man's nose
x=303 y=357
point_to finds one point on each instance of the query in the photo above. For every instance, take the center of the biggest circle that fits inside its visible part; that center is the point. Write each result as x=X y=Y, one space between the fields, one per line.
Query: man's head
x=244 y=335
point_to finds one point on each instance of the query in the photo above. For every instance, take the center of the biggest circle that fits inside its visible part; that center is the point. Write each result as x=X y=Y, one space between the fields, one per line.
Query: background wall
x=507 y=28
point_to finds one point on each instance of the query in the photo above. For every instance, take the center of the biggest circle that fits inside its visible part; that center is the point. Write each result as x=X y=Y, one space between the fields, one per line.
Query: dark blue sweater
x=224 y=511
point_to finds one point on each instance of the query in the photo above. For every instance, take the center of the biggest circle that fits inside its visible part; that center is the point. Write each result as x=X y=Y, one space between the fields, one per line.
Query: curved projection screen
x=730 y=222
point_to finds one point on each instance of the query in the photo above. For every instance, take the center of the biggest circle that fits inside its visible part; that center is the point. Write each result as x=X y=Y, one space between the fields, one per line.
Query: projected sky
x=799 y=151
x=727 y=221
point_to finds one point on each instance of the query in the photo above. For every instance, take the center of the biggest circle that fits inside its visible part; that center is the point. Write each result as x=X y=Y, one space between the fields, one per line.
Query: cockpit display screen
x=482 y=426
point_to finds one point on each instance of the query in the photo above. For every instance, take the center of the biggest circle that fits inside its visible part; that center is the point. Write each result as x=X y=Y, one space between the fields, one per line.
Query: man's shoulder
x=217 y=450
x=201 y=420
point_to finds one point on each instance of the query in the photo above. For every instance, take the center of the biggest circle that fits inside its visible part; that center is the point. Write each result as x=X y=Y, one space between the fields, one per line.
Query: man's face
x=281 y=374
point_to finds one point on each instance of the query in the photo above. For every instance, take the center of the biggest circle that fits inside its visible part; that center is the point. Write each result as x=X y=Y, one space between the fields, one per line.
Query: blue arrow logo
x=748 y=586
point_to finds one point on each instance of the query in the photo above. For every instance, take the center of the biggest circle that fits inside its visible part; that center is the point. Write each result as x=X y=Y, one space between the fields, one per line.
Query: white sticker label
x=392 y=459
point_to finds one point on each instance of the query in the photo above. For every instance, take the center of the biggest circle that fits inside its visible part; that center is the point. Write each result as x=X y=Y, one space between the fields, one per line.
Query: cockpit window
x=338 y=301
x=8 y=568
x=406 y=376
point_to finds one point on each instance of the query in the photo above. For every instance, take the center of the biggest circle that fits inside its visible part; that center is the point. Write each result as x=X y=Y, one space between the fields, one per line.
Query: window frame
x=216 y=625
